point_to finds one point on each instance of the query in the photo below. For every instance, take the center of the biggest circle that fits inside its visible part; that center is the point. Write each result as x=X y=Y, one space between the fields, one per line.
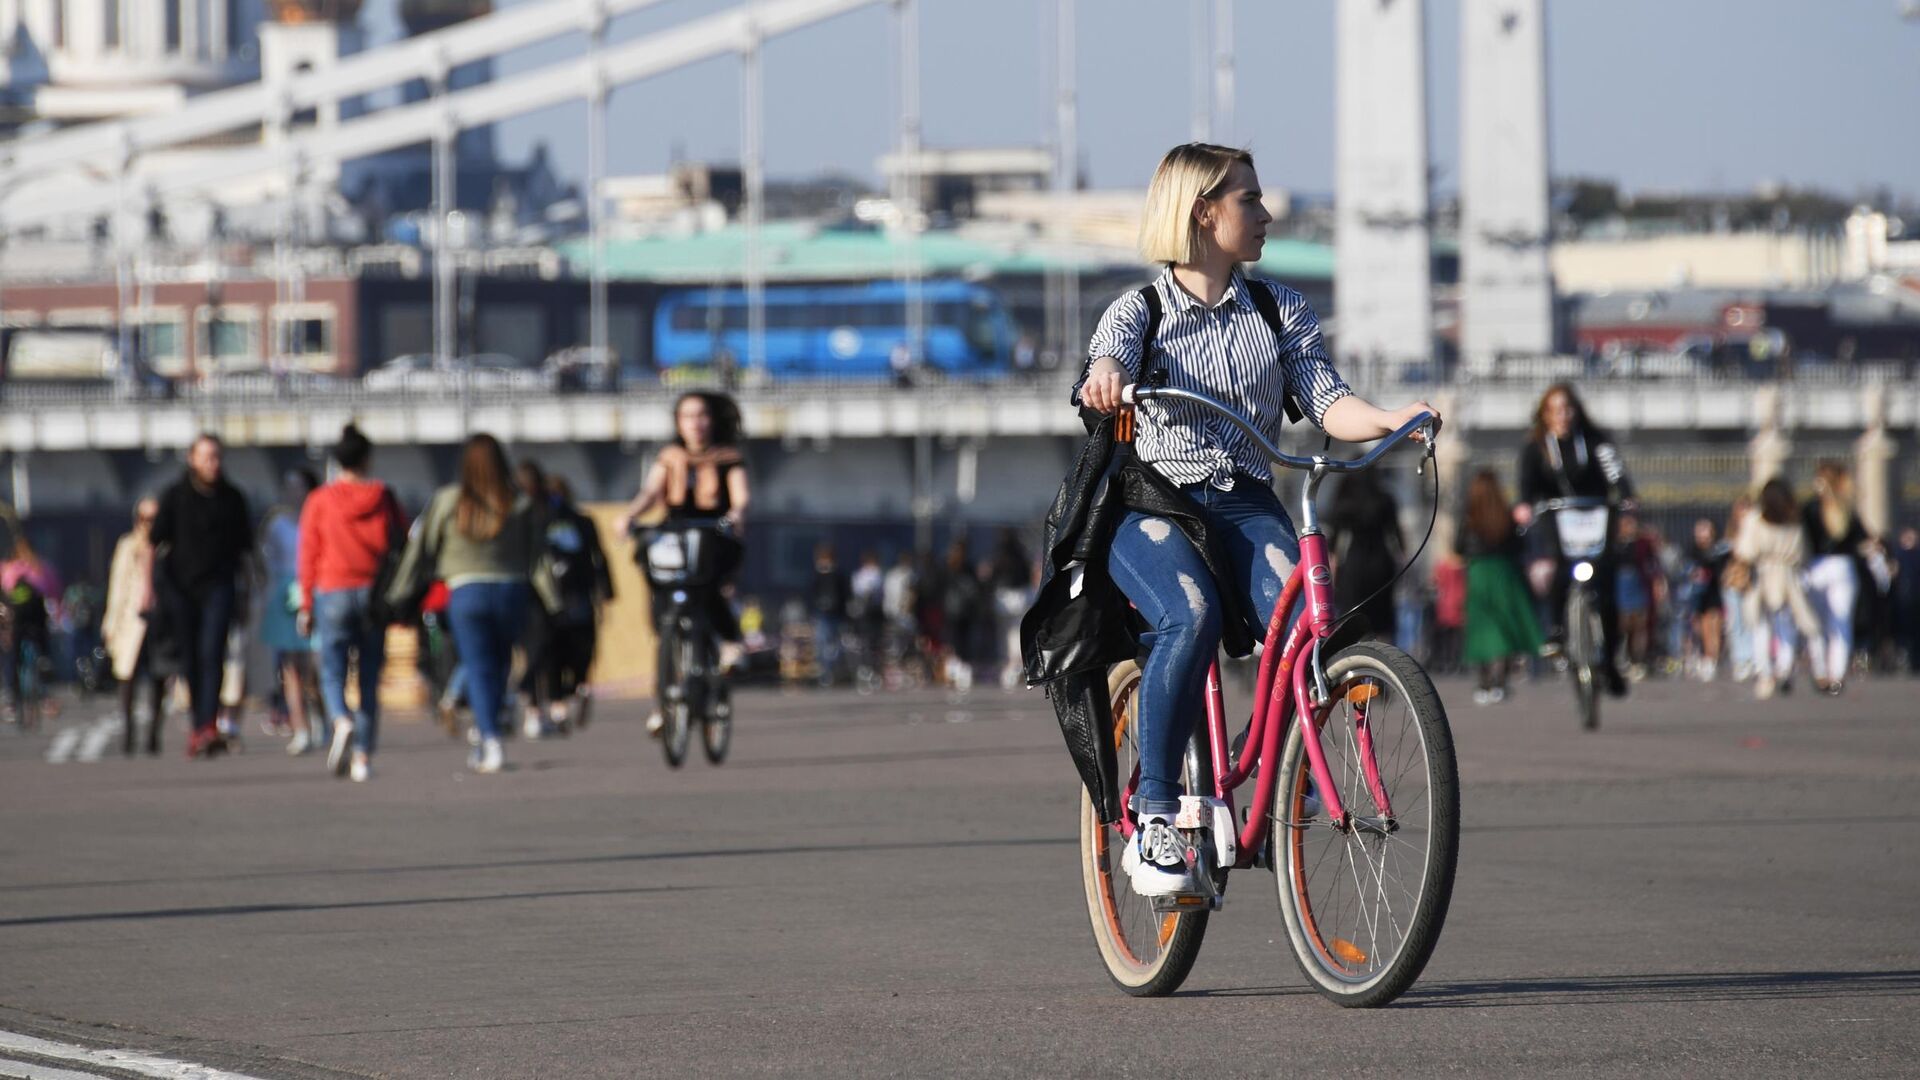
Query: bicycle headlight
x=1583 y=571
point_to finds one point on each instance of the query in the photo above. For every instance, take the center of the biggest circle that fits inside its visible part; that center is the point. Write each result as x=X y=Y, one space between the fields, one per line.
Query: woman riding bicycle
x=1568 y=456
x=702 y=474
x=1203 y=219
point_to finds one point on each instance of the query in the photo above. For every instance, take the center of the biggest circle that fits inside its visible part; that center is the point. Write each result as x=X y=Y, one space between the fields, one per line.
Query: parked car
x=417 y=373
x=583 y=368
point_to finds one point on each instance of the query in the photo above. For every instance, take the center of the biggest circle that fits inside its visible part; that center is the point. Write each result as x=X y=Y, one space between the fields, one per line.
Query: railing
x=1385 y=379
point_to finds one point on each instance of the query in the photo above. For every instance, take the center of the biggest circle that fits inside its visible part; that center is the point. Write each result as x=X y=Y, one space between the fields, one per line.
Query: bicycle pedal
x=1181 y=903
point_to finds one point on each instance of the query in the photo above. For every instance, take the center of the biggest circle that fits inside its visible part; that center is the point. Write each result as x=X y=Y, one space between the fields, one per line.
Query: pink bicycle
x=1357 y=812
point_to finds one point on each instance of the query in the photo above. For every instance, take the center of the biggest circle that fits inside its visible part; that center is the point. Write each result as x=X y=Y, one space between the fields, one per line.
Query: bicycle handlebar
x=1134 y=393
x=721 y=525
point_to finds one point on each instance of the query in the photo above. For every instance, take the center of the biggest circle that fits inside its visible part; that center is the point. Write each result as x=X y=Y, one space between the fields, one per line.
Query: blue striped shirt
x=1230 y=354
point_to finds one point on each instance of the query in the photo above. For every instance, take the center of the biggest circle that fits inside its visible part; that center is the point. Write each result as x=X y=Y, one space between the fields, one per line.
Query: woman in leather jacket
x=1568 y=456
x=1203 y=219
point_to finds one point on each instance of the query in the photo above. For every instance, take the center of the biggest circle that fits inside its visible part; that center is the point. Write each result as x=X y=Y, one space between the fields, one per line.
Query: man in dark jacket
x=827 y=599
x=585 y=585
x=204 y=536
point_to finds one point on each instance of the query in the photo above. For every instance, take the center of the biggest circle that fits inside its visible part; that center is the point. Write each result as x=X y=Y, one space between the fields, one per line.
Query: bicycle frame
x=1292 y=680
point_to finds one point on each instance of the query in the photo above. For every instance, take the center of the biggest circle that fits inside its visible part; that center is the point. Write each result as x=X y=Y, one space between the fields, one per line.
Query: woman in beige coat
x=1773 y=542
x=124 y=626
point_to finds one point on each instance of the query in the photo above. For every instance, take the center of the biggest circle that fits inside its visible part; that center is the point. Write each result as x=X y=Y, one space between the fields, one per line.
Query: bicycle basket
x=679 y=557
x=1583 y=532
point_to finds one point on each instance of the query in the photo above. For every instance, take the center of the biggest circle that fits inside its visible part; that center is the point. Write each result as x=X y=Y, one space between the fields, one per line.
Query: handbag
x=393 y=602
x=1738 y=575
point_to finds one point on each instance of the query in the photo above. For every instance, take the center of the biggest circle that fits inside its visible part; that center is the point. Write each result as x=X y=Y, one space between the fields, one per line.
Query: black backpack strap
x=1149 y=370
x=1270 y=311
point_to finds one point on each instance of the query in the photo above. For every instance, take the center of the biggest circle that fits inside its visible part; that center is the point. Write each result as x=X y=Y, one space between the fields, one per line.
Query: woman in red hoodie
x=346 y=529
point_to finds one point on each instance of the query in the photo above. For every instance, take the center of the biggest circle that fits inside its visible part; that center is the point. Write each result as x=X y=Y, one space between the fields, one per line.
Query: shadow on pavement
x=347 y=905
x=1651 y=989
x=558 y=860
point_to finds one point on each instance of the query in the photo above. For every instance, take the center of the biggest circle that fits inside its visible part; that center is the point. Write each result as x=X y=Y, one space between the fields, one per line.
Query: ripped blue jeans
x=1157 y=568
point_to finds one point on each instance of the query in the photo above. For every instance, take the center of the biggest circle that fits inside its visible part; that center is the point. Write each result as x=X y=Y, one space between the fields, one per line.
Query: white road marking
x=130 y=1061
x=22 y=1070
x=64 y=744
x=97 y=737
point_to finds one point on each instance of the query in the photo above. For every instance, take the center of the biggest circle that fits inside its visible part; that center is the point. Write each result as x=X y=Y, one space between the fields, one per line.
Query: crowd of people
x=322 y=575
x=1777 y=585
x=943 y=620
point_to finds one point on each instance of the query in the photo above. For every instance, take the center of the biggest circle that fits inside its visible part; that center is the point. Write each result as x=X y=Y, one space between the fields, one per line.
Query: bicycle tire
x=1584 y=645
x=1327 y=940
x=675 y=700
x=1171 y=941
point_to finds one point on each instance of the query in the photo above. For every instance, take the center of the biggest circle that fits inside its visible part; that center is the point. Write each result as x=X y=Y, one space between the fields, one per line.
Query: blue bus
x=829 y=330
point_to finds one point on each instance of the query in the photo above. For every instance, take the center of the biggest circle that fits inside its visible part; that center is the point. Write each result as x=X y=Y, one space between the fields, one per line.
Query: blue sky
x=1660 y=94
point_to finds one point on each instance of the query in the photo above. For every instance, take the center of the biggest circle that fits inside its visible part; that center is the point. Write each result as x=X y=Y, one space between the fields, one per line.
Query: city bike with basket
x=1584 y=528
x=1355 y=793
x=681 y=562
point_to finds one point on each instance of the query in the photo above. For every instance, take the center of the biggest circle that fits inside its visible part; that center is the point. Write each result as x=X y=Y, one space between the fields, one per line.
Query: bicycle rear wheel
x=1364 y=905
x=1148 y=954
x=716 y=725
x=1585 y=649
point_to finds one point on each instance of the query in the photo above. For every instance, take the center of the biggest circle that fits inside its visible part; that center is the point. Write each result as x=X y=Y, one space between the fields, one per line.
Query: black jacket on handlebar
x=1068 y=639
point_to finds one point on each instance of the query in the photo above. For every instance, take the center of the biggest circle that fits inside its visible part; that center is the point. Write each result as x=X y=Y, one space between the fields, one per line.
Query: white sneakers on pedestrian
x=533 y=726
x=1159 y=861
x=361 y=770
x=487 y=757
x=301 y=743
x=342 y=742
x=655 y=721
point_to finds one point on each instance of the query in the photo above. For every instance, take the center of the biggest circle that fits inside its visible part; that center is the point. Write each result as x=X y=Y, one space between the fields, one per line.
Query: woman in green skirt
x=1500 y=619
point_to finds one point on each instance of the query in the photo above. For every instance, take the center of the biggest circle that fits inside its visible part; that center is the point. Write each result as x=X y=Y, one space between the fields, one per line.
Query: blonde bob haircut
x=1189 y=171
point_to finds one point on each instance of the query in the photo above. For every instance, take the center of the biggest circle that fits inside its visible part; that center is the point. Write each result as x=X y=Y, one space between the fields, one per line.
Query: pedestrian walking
x=292 y=649
x=1835 y=542
x=1736 y=581
x=28 y=584
x=578 y=564
x=1500 y=625
x=1363 y=532
x=347 y=530
x=123 y=627
x=481 y=536
x=1773 y=543
x=1906 y=597
x=1706 y=566
x=1013 y=582
x=204 y=539
x=537 y=641
x=963 y=605
x=827 y=600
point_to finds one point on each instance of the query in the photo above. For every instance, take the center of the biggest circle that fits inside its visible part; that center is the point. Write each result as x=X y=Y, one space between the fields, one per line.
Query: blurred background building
x=266 y=219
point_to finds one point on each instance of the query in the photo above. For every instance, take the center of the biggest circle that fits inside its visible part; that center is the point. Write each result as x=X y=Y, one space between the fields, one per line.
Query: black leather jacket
x=1070 y=636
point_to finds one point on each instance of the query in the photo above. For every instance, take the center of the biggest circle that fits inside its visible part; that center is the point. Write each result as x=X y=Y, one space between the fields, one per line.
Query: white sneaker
x=1763 y=687
x=488 y=757
x=1159 y=861
x=1482 y=696
x=473 y=736
x=361 y=770
x=301 y=743
x=1496 y=695
x=342 y=741
x=532 y=727
x=655 y=722
x=1708 y=669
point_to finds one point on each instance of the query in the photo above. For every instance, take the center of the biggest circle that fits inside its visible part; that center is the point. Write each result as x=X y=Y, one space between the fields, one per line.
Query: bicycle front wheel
x=676 y=704
x=1364 y=904
x=1586 y=650
x=1147 y=953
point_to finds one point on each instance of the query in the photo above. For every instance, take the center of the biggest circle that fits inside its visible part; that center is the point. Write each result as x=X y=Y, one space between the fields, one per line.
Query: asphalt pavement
x=888 y=886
